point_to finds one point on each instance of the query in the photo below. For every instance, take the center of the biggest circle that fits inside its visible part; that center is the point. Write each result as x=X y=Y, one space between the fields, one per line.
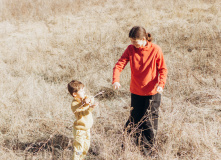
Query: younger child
x=82 y=106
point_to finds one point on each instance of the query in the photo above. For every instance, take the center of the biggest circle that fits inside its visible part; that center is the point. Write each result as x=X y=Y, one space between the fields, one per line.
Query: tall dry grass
x=45 y=44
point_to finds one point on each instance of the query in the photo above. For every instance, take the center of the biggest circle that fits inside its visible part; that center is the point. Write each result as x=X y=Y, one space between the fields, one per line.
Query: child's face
x=80 y=93
x=138 y=42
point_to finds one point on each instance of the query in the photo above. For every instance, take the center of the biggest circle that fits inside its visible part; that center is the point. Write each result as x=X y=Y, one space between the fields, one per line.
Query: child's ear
x=74 y=94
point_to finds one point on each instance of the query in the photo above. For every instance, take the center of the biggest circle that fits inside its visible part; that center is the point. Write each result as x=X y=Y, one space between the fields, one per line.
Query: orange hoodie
x=148 y=68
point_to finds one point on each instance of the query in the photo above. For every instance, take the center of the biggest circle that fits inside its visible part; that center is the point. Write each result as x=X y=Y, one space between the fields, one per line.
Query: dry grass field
x=46 y=44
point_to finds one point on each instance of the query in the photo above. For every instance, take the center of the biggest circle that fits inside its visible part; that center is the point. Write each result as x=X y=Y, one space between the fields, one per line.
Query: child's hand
x=116 y=85
x=89 y=100
x=159 y=89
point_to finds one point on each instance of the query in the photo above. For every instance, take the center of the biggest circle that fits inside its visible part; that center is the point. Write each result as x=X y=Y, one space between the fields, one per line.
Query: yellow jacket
x=83 y=114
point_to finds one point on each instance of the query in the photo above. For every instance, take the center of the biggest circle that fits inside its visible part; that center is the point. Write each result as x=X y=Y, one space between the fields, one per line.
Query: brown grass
x=46 y=44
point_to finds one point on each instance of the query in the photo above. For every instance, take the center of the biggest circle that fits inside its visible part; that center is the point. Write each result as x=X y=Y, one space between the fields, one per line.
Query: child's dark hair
x=138 y=32
x=74 y=86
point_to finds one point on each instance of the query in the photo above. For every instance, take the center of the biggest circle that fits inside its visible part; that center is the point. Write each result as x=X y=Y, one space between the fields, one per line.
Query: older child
x=148 y=77
x=82 y=106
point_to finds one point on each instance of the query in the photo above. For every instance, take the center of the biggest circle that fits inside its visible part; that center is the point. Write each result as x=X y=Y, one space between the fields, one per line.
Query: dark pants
x=143 y=119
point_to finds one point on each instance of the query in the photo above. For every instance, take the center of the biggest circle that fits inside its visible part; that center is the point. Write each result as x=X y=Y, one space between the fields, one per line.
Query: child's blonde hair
x=74 y=86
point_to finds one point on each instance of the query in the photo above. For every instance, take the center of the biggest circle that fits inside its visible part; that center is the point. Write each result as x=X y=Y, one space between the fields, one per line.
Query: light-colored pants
x=81 y=143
